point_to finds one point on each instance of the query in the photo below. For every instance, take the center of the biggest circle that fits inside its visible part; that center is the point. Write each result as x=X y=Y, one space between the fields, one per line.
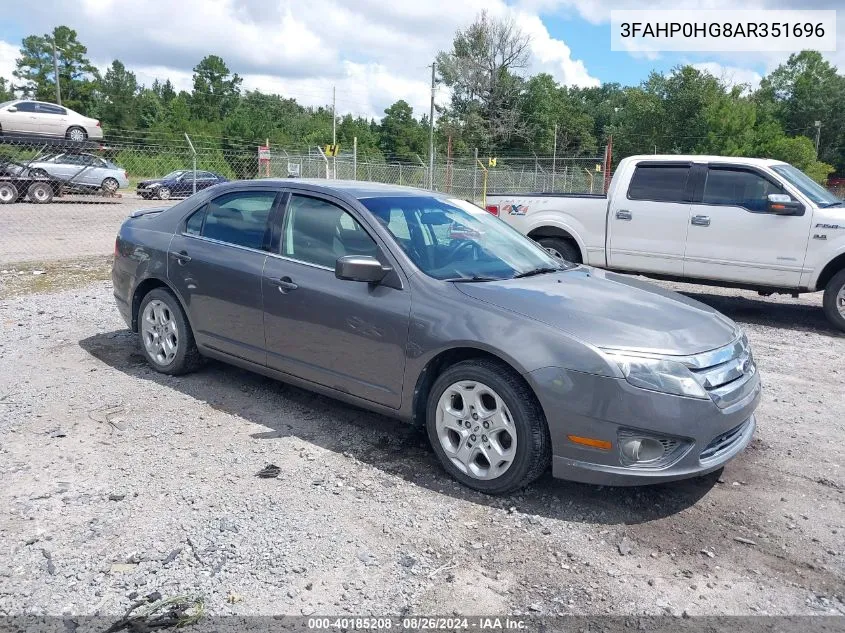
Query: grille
x=723 y=443
x=725 y=373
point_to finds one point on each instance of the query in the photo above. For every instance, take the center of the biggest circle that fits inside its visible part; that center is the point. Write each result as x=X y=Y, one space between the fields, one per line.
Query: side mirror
x=360 y=268
x=11 y=109
x=782 y=204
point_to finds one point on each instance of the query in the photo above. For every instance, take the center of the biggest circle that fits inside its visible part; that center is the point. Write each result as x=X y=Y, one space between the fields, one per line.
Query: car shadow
x=391 y=446
x=769 y=312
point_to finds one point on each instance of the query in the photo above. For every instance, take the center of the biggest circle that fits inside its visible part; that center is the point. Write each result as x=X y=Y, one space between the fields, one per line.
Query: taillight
x=125 y=175
x=98 y=124
x=493 y=209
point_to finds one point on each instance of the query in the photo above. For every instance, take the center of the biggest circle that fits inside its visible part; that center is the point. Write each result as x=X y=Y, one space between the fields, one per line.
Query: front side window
x=318 y=232
x=238 y=218
x=26 y=106
x=738 y=188
x=455 y=240
x=661 y=183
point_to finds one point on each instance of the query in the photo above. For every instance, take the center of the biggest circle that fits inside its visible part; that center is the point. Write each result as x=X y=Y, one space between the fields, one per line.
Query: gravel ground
x=119 y=481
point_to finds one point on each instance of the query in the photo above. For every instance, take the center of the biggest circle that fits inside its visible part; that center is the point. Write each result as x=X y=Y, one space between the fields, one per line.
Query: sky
x=373 y=51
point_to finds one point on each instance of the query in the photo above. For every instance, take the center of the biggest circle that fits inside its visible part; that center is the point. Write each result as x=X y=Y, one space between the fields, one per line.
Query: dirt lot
x=119 y=481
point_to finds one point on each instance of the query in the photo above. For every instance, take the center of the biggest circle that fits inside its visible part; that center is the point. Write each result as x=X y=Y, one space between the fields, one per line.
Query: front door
x=732 y=237
x=647 y=225
x=215 y=262
x=346 y=335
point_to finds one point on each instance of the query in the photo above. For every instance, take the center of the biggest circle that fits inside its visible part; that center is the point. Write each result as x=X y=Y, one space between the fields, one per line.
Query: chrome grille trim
x=725 y=373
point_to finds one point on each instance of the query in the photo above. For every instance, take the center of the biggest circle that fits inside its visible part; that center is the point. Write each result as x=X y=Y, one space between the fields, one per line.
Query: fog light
x=641 y=449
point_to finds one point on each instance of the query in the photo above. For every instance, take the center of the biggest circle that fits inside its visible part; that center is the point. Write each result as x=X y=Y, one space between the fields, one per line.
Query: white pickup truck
x=741 y=222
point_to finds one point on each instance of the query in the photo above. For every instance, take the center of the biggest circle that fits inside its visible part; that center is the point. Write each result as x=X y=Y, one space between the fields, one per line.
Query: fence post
x=194 y=152
x=320 y=149
x=400 y=173
x=355 y=158
x=475 y=174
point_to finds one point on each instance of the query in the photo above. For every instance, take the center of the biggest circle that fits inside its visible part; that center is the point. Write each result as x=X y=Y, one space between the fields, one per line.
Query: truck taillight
x=493 y=209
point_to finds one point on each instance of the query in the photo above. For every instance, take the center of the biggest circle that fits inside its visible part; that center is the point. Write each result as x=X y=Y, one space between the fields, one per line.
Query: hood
x=147 y=183
x=609 y=310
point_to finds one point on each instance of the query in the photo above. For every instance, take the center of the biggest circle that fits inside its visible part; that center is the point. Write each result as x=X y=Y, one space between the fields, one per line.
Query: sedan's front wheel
x=166 y=337
x=163 y=193
x=487 y=428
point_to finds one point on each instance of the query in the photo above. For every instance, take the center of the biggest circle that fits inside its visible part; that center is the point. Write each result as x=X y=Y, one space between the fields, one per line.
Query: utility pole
x=56 y=70
x=334 y=132
x=818 y=134
x=354 y=158
x=554 y=158
x=431 y=134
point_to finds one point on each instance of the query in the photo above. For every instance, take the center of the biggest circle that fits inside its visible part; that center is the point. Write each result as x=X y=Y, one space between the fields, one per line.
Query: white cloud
x=731 y=75
x=8 y=54
x=374 y=51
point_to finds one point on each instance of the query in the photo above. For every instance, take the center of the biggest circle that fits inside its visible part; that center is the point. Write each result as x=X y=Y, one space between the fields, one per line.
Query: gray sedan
x=82 y=170
x=428 y=309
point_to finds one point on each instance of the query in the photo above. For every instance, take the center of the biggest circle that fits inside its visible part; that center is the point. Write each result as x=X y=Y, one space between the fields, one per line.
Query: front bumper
x=585 y=405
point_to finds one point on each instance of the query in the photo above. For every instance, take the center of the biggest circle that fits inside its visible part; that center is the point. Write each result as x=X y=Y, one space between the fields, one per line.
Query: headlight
x=153 y=184
x=658 y=374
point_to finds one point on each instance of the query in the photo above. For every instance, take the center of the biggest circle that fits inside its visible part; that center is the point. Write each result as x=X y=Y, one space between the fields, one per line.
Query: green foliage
x=216 y=90
x=78 y=78
x=402 y=136
x=6 y=92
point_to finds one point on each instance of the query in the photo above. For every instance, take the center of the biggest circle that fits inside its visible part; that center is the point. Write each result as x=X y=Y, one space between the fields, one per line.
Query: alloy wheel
x=76 y=135
x=476 y=430
x=840 y=301
x=553 y=252
x=159 y=332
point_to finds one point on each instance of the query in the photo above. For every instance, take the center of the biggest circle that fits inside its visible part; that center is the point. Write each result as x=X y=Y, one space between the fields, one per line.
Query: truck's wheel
x=487 y=428
x=8 y=193
x=40 y=192
x=560 y=249
x=834 y=300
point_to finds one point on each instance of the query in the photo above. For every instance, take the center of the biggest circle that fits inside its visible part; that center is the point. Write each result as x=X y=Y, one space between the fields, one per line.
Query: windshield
x=806 y=185
x=457 y=241
x=174 y=174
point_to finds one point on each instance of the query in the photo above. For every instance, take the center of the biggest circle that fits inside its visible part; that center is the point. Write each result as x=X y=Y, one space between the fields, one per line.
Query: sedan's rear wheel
x=163 y=193
x=487 y=428
x=166 y=337
x=76 y=134
x=110 y=185
x=8 y=193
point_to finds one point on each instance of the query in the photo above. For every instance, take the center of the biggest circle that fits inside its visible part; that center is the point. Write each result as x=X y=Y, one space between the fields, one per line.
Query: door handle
x=285 y=284
x=624 y=214
x=182 y=257
x=700 y=220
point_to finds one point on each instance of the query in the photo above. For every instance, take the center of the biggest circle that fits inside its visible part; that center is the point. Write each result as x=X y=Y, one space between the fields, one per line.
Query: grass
x=27 y=278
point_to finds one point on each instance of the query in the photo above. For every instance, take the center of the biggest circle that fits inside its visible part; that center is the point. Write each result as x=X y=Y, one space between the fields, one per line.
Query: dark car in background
x=178 y=184
x=427 y=308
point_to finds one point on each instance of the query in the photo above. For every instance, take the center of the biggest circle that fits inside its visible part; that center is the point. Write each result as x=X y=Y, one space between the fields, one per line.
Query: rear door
x=215 y=262
x=733 y=237
x=346 y=335
x=647 y=225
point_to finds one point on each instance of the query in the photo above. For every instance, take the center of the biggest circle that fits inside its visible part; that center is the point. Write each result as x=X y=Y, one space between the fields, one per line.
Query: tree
x=401 y=135
x=118 y=90
x=483 y=71
x=546 y=104
x=802 y=91
x=77 y=76
x=6 y=91
x=216 y=90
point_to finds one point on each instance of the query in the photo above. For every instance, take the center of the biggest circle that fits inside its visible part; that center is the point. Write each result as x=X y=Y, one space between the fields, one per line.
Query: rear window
x=663 y=183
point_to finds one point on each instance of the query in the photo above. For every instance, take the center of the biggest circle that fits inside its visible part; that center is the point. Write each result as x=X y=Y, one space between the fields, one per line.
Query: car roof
x=694 y=158
x=355 y=188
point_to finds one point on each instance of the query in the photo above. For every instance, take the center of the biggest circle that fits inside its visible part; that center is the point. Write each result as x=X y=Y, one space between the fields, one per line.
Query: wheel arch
x=831 y=268
x=143 y=289
x=549 y=230
x=442 y=361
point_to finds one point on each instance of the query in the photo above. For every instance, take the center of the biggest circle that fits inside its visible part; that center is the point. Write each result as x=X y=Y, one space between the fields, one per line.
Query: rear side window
x=738 y=188
x=49 y=108
x=238 y=218
x=662 y=183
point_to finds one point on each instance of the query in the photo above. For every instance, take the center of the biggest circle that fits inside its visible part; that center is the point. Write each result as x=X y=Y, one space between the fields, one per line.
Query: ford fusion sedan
x=428 y=309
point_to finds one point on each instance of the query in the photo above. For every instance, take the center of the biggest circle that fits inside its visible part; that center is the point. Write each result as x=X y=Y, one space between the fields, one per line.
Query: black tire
x=834 y=313
x=561 y=249
x=163 y=193
x=74 y=131
x=40 y=192
x=8 y=193
x=533 y=444
x=110 y=185
x=188 y=357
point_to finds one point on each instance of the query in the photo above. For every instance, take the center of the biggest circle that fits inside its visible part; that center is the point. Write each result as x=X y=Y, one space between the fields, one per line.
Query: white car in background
x=37 y=118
